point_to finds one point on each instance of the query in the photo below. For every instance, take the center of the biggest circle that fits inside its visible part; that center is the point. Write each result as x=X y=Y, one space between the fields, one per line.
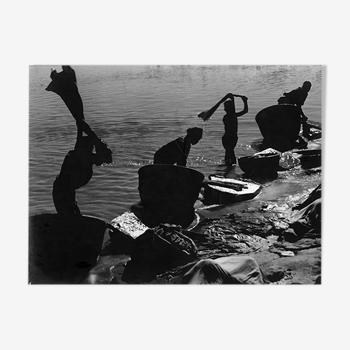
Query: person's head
x=229 y=106
x=194 y=135
x=306 y=86
x=104 y=154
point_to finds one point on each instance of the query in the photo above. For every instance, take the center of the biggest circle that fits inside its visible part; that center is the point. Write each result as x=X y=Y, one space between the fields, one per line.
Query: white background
x=177 y=32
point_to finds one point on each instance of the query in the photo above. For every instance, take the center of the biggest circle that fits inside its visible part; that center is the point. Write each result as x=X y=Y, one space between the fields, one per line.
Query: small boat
x=310 y=158
x=221 y=190
x=265 y=162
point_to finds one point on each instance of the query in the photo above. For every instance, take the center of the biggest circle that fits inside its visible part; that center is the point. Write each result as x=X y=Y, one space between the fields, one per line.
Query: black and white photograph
x=175 y=174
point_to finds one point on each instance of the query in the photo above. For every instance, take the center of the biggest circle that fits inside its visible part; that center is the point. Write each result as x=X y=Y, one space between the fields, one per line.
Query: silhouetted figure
x=230 y=137
x=76 y=171
x=297 y=97
x=205 y=115
x=176 y=151
x=64 y=84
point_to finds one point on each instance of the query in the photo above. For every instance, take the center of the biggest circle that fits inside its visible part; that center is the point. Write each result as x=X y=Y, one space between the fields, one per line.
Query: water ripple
x=136 y=110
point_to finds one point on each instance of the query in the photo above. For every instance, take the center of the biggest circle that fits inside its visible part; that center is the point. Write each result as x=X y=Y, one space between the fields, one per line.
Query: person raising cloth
x=176 y=151
x=205 y=115
x=76 y=171
x=297 y=97
x=64 y=84
x=230 y=138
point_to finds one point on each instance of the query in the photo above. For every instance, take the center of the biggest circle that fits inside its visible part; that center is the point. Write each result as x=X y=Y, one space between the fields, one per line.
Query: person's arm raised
x=205 y=115
x=245 y=109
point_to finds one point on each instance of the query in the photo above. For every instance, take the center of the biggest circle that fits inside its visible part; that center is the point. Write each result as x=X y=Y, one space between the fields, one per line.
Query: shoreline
x=251 y=228
x=257 y=222
x=302 y=267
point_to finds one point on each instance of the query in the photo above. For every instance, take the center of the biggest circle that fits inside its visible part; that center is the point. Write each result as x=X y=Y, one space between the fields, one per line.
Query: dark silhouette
x=205 y=115
x=230 y=138
x=168 y=194
x=64 y=84
x=176 y=151
x=280 y=126
x=63 y=249
x=297 y=97
x=76 y=171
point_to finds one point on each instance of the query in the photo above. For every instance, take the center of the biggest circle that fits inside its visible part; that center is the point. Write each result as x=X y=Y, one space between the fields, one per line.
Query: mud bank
x=255 y=229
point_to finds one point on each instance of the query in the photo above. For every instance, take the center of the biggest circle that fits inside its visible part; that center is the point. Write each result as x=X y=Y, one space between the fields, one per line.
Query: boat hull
x=264 y=164
x=224 y=191
x=310 y=158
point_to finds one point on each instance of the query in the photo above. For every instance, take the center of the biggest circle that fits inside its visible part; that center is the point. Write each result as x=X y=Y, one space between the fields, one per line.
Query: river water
x=138 y=109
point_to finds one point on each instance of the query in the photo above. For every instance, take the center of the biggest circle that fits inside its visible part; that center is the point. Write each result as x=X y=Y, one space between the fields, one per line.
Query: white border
x=182 y=32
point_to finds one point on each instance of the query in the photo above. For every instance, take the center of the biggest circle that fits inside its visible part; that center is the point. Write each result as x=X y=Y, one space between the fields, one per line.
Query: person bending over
x=76 y=172
x=297 y=97
x=176 y=151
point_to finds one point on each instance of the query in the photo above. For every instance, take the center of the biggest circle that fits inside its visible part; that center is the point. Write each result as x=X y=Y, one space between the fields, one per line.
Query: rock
x=303 y=268
x=156 y=251
x=306 y=218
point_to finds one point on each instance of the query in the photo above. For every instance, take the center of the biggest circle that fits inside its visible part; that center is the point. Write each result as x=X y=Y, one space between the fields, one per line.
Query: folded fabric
x=226 y=270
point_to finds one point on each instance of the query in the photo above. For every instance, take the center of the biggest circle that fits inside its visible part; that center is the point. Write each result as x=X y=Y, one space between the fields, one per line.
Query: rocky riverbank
x=263 y=231
x=280 y=230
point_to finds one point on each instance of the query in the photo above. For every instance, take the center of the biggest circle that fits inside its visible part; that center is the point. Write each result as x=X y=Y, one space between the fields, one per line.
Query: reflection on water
x=137 y=109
